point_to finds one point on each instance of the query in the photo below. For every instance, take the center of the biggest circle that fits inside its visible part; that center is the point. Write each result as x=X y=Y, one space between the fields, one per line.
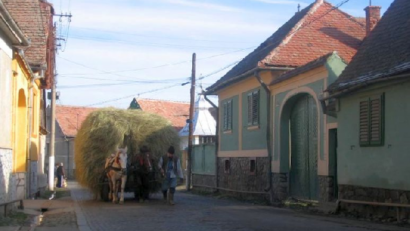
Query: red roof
x=176 y=112
x=70 y=118
x=33 y=19
x=314 y=32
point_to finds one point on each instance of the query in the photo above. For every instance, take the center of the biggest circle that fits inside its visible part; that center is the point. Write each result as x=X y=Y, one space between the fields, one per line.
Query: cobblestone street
x=194 y=212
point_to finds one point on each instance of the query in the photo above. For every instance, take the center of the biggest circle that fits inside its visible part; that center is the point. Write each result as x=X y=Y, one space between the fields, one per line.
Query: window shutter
x=230 y=115
x=376 y=121
x=225 y=116
x=255 y=108
x=364 y=122
x=250 y=109
x=372 y=121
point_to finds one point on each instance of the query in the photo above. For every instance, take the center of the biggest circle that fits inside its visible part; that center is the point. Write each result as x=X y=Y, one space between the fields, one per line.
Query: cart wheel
x=105 y=190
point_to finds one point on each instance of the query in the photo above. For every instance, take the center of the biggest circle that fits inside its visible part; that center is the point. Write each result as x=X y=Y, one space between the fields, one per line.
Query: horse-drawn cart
x=101 y=135
x=138 y=180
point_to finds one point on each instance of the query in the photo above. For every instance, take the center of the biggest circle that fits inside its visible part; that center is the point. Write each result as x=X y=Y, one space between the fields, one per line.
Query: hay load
x=105 y=130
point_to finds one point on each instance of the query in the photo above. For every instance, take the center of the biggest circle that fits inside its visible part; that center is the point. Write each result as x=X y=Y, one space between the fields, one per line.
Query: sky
x=115 y=50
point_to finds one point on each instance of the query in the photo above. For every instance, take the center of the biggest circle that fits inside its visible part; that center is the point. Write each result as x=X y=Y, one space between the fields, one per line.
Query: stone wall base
x=280 y=187
x=350 y=192
x=326 y=189
x=203 y=183
x=240 y=182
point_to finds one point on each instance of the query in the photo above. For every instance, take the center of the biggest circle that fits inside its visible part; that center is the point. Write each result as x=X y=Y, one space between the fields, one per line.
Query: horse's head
x=122 y=157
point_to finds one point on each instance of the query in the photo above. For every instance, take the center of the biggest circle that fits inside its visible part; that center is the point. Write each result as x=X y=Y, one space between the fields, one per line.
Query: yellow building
x=26 y=114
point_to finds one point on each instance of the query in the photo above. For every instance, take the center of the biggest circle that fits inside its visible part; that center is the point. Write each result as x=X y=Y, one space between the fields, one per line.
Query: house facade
x=256 y=107
x=11 y=37
x=33 y=73
x=372 y=112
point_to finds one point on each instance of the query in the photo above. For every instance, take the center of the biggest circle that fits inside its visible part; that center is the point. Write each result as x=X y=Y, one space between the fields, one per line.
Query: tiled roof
x=70 y=118
x=311 y=33
x=384 y=53
x=32 y=19
x=176 y=112
x=307 y=67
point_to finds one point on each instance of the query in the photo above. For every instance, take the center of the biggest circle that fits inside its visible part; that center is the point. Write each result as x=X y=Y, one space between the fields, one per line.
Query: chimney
x=372 y=17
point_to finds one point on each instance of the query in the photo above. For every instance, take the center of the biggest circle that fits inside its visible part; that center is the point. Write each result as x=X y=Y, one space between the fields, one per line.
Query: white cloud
x=203 y=5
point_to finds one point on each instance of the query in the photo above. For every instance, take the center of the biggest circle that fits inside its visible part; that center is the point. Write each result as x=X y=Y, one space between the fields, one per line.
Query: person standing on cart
x=144 y=170
x=171 y=170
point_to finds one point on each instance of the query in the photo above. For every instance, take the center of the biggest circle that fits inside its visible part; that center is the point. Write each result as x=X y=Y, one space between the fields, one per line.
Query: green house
x=371 y=99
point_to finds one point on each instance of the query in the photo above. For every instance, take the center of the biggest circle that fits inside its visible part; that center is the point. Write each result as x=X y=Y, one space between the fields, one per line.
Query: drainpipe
x=30 y=125
x=216 y=141
x=268 y=130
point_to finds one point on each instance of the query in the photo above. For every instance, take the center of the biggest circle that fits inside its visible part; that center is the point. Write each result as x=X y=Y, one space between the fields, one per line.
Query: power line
x=133 y=95
x=152 y=67
x=162 y=37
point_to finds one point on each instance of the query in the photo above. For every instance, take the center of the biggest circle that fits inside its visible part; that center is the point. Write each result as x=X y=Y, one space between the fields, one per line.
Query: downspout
x=216 y=141
x=268 y=131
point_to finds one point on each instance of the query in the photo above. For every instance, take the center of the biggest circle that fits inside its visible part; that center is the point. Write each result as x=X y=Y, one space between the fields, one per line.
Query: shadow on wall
x=341 y=36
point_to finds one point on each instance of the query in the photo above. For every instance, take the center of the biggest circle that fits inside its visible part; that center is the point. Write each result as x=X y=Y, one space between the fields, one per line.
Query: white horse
x=116 y=168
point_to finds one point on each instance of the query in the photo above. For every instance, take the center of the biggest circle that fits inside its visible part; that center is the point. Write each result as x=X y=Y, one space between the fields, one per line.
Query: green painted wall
x=335 y=67
x=255 y=138
x=230 y=142
x=381 y=167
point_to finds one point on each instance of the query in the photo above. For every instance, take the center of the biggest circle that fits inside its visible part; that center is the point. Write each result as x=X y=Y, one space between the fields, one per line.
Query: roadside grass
x=15 y=218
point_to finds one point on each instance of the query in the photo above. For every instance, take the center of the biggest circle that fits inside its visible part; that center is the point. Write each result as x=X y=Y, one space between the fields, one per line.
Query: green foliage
x=105 y=130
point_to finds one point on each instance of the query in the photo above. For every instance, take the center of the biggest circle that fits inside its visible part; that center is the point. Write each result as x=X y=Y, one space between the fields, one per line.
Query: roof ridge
x=162 y=100
x=74 y=106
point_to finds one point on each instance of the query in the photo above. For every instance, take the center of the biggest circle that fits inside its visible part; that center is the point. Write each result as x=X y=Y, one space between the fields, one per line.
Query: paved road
x=197 y=213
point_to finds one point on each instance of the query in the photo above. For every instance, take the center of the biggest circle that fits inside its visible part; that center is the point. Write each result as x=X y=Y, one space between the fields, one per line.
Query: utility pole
x=191 y=124
x=51 y=161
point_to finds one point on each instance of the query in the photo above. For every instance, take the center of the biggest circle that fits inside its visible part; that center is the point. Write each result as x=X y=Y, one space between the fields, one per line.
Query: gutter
x=252 y=71
x=268 y=132
x=216 y=141
x=13 y=28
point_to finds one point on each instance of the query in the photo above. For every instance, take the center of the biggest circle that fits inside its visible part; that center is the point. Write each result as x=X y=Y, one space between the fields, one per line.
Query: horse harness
x=116 y=169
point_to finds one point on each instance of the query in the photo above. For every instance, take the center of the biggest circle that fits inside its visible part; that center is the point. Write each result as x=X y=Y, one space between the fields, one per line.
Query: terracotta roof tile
x=70 y=118
x=307 y=67
x=32 y=19
x=309 y=34
x=384 y=53
x=176 y=112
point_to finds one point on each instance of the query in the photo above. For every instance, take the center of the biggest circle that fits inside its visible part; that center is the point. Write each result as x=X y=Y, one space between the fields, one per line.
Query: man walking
x=60 y=176
x=170 y=167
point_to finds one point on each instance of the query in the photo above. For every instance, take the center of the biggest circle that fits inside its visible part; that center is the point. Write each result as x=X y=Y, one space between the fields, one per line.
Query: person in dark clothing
x=171 y=170
x=60 y=175
x=144 y=170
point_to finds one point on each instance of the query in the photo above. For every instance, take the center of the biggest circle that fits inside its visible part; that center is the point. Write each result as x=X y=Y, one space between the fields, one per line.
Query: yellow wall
x=21 y=114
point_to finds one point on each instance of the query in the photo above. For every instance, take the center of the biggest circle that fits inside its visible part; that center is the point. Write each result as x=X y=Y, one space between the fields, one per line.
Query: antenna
x=299 y=7
x=370 y=2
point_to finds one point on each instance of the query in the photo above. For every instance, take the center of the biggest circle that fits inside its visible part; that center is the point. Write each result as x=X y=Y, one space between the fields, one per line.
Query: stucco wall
x=5 y=100
x=7 y=189
x=386 y=166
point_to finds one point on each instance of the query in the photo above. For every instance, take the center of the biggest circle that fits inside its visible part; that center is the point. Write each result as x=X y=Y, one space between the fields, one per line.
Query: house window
x=252 y=166
x=253 y=108
x=227 y=166
x=372 y=121
x=207 y=140
x=227 y=115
